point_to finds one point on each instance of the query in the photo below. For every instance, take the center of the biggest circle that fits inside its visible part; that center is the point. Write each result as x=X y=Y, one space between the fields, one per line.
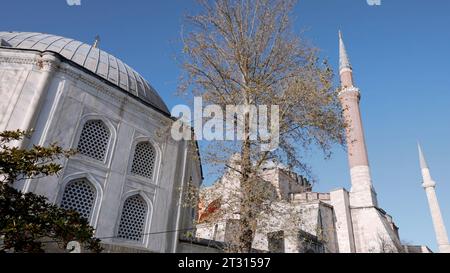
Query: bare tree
x=385 y=245
x=244 y=52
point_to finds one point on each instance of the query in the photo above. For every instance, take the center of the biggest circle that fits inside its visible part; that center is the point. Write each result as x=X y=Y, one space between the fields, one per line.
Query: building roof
x=89 y=57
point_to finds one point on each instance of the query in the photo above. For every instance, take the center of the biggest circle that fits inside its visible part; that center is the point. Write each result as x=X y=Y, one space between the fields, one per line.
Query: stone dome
x=91 y=58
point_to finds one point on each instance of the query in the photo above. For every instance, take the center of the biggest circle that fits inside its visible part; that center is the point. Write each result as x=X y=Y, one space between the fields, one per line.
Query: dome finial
x=97 y=41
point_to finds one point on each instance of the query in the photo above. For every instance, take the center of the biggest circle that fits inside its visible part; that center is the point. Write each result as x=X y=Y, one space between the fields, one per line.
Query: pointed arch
x=134 y=220
x=74 y=188
x=145 y=160
x=144 y=157
x=95 y=138
x=79 y=195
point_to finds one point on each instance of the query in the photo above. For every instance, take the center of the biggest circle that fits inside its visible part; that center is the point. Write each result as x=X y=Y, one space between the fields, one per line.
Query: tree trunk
x=247 y=216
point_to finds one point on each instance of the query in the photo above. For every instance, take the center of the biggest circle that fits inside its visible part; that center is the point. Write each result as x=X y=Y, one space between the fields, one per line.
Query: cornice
x=350 y=91
x=49 y=61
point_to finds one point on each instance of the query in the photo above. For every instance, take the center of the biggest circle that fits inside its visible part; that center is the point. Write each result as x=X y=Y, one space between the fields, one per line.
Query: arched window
x=132 y=221
x=94 y=140
x=144 y=160
x=79 y=195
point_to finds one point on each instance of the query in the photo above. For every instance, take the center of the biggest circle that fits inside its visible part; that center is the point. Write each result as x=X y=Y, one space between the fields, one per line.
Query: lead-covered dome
x=91 y=58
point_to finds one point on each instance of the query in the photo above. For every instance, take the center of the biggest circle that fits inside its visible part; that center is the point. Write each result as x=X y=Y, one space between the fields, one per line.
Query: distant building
x=335 y=221
x=296 y=213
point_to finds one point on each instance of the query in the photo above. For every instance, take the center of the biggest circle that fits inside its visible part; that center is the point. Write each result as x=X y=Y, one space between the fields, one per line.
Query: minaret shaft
x=346 y=78
x=438 y=222
x=357 y=152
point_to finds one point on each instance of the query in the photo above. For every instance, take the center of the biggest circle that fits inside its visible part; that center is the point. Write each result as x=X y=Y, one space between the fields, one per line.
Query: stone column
x=46 y=65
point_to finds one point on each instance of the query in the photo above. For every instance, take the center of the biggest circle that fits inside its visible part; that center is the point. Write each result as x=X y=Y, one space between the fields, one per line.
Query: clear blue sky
x=400 y=53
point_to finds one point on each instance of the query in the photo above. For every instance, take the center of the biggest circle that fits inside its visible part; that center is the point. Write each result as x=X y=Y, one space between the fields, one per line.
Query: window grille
x=132 y=221
x=94 y=140
x=144 y=160
x=79 y=195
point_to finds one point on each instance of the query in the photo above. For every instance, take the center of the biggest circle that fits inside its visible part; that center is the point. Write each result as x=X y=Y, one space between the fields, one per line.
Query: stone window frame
x=147 y=223
x=79 y=195
x=148 y=172
x=111 y=144
x=98 y=190
x=157 y=164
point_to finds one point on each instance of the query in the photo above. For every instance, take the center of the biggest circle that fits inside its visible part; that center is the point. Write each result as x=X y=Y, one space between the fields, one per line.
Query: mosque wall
x=373 y=233
x=343 y=220
x=57 y=102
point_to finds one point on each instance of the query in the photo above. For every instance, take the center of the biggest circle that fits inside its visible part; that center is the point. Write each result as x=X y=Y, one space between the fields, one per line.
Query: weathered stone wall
x=373 y=232
x=343 y=221
x=185 y=247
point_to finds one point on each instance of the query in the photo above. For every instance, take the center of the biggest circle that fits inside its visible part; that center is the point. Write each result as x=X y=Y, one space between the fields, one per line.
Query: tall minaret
x=362 y=192
x=429 y=186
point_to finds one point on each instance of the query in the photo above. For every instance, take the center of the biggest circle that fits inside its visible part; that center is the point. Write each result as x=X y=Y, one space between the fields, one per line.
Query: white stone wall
x=373 y=232
x=24 y=81
x=315 y=217
x=212 y=231
x=290 y=213
x=187 y=247
x=363 y=194
x=344 y=228
x=328 y=228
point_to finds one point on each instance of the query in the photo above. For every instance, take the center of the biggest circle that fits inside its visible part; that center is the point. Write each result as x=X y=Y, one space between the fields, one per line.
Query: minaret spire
x=423 y=162
x=345 y=68
x=430 y=189
x=344 y=62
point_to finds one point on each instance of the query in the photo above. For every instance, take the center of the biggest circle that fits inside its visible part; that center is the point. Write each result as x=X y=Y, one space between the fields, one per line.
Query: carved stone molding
x=18 y=60
x=107 y=91
x=350 y=91
x=48 y=62
x=45 y=62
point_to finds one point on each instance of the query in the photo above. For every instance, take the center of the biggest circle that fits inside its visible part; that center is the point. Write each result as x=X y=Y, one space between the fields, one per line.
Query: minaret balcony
x=429 y=184
x=350 y=91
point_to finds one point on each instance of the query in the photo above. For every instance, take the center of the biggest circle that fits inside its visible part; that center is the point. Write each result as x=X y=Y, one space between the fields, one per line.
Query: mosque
x=129 y=173
x=129 y=176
